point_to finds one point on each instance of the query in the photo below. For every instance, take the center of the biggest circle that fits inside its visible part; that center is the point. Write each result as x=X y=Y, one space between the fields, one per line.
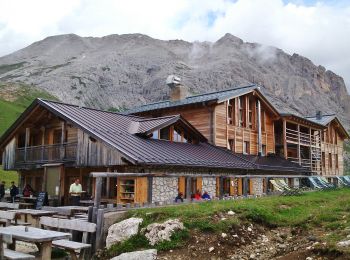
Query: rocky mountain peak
x=121 y=71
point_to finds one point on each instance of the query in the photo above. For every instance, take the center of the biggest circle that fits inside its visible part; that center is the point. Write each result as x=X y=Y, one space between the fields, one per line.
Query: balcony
x=65 y=152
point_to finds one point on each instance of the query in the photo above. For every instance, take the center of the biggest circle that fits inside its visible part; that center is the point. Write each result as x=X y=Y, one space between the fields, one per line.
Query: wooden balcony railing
x=46 y=153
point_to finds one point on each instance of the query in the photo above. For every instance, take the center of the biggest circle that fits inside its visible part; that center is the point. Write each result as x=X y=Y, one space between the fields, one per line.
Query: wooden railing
x=46 y=153
x=305 y=139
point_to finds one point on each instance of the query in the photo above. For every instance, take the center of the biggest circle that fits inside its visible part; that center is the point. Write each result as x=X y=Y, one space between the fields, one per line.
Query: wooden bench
x=73 y=225
x=7 y=205
x=10 y=254
x=8 y=218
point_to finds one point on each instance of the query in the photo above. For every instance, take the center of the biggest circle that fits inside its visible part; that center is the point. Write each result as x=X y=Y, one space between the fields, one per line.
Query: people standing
x=75 y=192
x=13 y=191
x=2 y=190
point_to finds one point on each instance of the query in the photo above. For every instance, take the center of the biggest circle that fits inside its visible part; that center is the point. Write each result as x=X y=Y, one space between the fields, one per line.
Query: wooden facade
x=231 y=124
x=332 y=150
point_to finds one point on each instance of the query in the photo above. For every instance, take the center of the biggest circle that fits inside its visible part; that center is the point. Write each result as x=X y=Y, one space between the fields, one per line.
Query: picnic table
x=87 y=202
x=41 y=237
x=33 y=215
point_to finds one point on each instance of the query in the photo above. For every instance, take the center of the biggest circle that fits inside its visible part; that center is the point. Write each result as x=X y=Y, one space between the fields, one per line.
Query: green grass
x=24 y=96
x=328 y=211
x=8 y=177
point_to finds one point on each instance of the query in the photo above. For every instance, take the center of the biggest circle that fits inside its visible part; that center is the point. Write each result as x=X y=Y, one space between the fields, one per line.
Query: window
x=155 y=135
x=330 y=160
x=250 y=113
x=231 y=144
x=246 y=149
x=263 y=120
x=177 y=135
x=164 y=133
x=231 y=112
x=241 y=114
x=57 y=136
x=263 y=152
x=336 y=161
x=323 y=159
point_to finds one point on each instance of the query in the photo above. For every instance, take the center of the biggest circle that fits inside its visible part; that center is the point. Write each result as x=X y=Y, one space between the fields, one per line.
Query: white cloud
x=319 y=31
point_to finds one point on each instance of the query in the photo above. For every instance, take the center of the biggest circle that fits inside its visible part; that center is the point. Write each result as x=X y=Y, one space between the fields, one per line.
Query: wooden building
x=244 y=121
x=53 y=143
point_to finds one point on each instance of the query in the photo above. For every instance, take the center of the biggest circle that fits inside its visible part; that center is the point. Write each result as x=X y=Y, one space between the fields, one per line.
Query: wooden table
x=43 y=238
x=87 y=202
x=33 y=215
x=73 y=210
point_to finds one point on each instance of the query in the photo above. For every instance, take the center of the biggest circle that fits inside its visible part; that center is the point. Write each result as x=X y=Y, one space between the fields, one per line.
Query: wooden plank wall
x=95 y=153
x=332 y=148
x=8 y=159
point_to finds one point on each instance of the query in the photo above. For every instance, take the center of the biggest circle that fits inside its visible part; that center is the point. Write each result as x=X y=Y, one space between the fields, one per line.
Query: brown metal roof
x=113 y=128
x=122 y=133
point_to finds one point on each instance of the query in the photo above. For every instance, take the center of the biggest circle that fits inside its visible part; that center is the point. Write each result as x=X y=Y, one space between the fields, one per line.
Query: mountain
x=120 y=71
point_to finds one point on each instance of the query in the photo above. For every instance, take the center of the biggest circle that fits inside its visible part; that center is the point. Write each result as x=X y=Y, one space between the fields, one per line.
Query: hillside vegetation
x=14 y=99
x=313 y=223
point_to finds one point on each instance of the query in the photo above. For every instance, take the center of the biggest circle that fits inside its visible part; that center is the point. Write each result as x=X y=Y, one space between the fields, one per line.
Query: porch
x=54 y=153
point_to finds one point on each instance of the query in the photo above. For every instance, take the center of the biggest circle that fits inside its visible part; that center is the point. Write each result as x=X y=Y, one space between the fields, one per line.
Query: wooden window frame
x=246 y=147
x=232 y=145
x=330 y=163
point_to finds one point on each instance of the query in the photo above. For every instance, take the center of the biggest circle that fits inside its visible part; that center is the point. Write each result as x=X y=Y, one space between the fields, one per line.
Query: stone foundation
x=257 y=187
x=209 y=185
x=164 y=188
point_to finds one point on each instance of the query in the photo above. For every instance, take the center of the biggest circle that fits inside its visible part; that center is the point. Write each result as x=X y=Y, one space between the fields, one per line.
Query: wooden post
x=99 y=229
x=245 y=186
x=63 y=139
x=43 y=187
x=150 y=189
x=266 y=185
x=310 y=134
x=98 y=191
x=26 y=143
x=221 y=187
x=42 y=143
x=285 y=152
x=108 y=184
x=188 y=187
x=259 y=130
x=298 y=151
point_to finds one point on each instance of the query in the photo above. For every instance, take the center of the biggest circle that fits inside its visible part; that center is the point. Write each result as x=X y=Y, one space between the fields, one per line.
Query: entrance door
x=53 y=181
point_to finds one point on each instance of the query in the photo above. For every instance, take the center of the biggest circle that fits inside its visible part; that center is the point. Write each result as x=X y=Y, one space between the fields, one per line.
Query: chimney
x=318 y=115
x=177 y=90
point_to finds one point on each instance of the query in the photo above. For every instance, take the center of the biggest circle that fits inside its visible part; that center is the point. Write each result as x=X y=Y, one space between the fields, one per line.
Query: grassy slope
x=328 y=211
x=10 y=110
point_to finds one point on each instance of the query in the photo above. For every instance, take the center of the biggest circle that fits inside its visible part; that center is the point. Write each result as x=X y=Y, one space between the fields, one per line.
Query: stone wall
x=164 y=188
x=258 y=187
x=209 y=185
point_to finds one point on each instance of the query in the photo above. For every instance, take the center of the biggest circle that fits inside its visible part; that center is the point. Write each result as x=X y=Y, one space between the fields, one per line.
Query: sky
x=319 y=30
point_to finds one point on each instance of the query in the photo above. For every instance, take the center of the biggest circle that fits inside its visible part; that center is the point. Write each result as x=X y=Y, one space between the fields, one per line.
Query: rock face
x=150 y=254
x=156 y=232
x=122 y=231
x=119 y=71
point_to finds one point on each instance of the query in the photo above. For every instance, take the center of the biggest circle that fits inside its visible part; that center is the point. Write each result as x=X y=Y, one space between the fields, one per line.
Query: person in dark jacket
x=206 y=196
x=179 y=197
x=2 y=190
x=13 y=191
